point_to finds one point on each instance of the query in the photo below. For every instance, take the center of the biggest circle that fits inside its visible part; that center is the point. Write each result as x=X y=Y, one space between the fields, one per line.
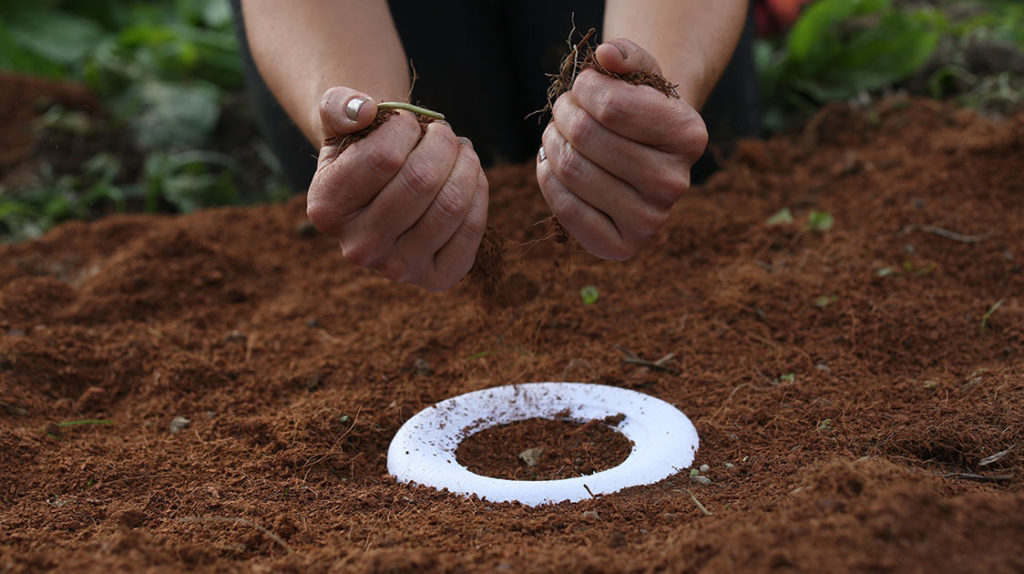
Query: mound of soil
x=859 y=391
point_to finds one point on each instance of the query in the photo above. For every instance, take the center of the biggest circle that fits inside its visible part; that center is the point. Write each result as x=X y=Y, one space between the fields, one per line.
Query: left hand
x=618 y=156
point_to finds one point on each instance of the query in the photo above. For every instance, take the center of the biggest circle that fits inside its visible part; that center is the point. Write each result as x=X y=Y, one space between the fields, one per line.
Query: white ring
x=423 y=450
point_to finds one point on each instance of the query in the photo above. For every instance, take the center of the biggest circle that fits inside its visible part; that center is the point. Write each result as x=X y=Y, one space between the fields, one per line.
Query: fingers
x=456 y=258
x=641 y=114
x=344 y=111
x=623 y=56
x=343 y=187
x=592 y=228
x=634 y=219
x=403 y=201
x=664 y=179
x=448 y=210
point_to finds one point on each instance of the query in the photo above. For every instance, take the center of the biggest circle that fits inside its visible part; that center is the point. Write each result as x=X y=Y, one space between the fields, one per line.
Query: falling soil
x=859 y=392
x=542 y=449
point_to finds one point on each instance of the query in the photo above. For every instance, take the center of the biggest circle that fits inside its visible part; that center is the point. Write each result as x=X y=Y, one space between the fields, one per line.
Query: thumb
x=344 y=111
x=622 y=56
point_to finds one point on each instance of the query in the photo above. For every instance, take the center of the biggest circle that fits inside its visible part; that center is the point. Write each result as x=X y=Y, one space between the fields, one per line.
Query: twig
x=661 y=364
x=996 y=457
x=951 y=235
x=697 y=502
x=239 y=520
x=980 y=477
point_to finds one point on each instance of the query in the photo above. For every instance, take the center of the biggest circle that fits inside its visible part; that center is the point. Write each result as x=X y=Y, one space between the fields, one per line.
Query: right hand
x=410 y=204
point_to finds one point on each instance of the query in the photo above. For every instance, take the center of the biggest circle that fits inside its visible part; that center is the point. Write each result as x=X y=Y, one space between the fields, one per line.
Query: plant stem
x=411 y=108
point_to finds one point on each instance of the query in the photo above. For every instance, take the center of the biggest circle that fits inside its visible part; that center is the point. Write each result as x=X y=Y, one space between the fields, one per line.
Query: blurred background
x=113 y=107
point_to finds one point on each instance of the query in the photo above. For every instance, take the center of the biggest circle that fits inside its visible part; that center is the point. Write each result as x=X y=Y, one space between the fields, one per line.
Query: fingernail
x=625 y=56
x=353 y=106
x=541 y=155
x=465 y=141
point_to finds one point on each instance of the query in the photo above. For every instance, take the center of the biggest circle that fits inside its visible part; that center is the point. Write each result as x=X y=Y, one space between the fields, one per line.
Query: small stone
x=179 y=424
x=700 y=479
x=592 y=514
x=421 y=368
x=728 y=465
x=210 y=414
x=531 y=456
x=704 y=468
x=237 y=336
x=823 y=368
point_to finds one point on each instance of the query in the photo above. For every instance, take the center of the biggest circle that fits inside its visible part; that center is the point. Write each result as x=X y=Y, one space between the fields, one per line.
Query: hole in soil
x=545 y=449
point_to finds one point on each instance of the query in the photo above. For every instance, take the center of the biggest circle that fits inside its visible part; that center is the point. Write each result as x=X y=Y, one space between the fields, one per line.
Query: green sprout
x=589 y=295
x=820 y=221
x=781 y=217
x=825 y=300
x=988 y=315
x=410 y=108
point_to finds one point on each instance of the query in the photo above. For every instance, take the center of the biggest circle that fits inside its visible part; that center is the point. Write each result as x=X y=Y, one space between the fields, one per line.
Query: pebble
x=179 y=424
x=704 y=468
x=729 y=465
x=591 y=514
x=699 y=479
x=531 y=456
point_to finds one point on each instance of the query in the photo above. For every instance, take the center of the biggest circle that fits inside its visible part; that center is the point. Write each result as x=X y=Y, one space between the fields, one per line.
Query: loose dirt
x=858 y=393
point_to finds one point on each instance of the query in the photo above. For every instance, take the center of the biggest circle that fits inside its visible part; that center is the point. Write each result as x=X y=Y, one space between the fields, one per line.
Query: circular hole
x=545 y=449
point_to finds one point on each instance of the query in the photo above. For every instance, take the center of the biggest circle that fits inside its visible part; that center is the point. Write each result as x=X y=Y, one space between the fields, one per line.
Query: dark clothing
x=483 y=63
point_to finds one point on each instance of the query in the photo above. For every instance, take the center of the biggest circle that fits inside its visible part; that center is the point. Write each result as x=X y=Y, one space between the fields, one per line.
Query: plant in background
x=166 y=72
x=589 y=294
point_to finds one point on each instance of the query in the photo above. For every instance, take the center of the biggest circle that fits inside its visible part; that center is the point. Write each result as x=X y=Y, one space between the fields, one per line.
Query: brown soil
x=859 y=407
x=541 y=449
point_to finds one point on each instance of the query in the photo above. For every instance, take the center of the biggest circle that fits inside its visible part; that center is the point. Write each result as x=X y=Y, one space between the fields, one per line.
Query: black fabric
x=483 y=63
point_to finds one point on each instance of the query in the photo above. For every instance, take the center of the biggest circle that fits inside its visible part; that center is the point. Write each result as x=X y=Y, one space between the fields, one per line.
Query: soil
x=858 y=392
x=542 y=449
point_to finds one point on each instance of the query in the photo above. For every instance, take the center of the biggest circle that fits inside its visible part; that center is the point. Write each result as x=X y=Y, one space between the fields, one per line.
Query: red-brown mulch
x=850 y=387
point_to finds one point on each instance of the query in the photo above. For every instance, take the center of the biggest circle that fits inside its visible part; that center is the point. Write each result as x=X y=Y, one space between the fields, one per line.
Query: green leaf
x=589 y=294
x=813 y=35
x=173 y=115
x=55 y=36
x=820 y=221
x=781 y=217
x=825 y=300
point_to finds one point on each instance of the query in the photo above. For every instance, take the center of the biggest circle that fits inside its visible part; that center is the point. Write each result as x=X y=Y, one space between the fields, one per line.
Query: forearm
x=303 y=48
x=693 y=40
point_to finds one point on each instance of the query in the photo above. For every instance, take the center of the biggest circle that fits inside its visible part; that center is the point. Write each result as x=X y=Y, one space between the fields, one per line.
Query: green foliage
x=841 y=48
x=589 y=294
x=820 y=221
x=781 y=217
x=163 y=70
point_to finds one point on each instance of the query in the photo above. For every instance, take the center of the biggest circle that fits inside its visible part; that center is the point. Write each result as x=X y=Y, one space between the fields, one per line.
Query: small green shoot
x=781 y=217
x=52 y=429
x=345 y=419
x=825 y=301
x=884 y=272
x=820 y=221
x=825 y=425
x=787 y=378
x=988 y=315
x=85 y=422
x=411 y=108
x=589 y=294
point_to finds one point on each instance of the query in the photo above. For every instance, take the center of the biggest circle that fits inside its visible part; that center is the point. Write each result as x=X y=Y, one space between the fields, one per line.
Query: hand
x=616 y=157
x=409 y=204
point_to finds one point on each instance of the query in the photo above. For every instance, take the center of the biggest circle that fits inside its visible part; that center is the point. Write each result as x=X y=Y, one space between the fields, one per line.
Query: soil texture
x=218 y=391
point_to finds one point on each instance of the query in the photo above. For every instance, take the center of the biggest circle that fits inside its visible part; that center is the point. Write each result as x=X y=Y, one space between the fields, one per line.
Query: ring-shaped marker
x=423 y=450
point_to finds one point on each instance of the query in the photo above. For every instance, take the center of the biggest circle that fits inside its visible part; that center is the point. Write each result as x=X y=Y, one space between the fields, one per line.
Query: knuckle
x=573 y=165
x=419 y=176
x=452 y=201
x=579 y=127
x=362 y=253
x=384 y=161
x=613 y=108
